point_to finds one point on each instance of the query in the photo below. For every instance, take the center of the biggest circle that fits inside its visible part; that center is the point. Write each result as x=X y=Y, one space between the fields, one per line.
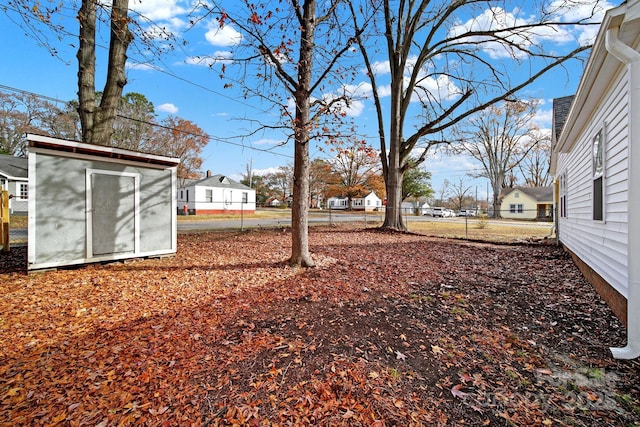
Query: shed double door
x=112 y=214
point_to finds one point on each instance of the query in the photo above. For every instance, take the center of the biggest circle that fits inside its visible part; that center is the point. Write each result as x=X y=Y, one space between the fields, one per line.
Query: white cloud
x=267 y=171
x=496 y=19
x=225 y=36
x=167 y=108
x=564 y=12
x=588 y=35
x=579 y=10
x=441 y=88
x=381 y=67
x=353 y=108
x=543 y=118
x=158 y=10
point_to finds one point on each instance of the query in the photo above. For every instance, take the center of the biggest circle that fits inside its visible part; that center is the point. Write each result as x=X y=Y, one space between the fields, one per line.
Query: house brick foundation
x=612 y=297
x=221 y=211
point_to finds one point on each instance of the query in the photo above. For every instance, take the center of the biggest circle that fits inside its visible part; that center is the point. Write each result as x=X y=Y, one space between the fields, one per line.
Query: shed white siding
x=600 y=244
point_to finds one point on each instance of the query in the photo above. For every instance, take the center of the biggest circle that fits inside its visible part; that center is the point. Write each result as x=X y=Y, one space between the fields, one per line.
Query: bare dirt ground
x=388 y=329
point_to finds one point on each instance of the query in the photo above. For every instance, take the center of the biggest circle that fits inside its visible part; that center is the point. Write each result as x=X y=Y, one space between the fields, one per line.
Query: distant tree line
x=136 y=127
x=353 y=172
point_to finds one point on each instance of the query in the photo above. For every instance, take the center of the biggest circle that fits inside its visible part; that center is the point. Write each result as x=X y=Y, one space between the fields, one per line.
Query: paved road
x=326 y=218
x=284 y=221
x=17 y=235
x=21 y=235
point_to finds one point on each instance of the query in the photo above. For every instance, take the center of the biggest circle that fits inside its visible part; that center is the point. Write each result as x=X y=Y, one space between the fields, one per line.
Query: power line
x=210 y=137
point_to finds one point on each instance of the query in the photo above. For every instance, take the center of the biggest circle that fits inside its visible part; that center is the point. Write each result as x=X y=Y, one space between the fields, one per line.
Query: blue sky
x=183 y=84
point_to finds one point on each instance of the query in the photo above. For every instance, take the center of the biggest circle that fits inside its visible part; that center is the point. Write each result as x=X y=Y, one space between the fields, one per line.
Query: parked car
x=467 y=212
x=449 y=213
x=438 y=212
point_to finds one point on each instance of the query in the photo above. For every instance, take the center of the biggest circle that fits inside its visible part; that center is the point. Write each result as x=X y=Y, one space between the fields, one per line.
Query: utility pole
x=251 y=173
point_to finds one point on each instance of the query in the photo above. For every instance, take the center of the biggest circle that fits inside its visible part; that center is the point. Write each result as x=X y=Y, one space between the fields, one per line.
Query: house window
x=516 y=208
x=245 y=197
x=24 y=191
x=181 y=194
x=563 y=195
x=516 y=195
x=3 y=184
x=208 y=195
x=187 y=195
x=598 y=177
x=357 y=202
x=368 y=202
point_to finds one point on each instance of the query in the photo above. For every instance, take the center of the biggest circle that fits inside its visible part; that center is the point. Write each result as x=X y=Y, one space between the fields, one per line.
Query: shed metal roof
x=79 y=148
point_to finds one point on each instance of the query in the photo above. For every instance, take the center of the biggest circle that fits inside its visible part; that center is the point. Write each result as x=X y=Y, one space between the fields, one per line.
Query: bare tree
x=19 y=114
x=321 y=178
x=180 y=138
x=460 y=194
x=354 y=164
x=444 y=66
x=281 y=182
x=443 y=192
x=23 y=112
x=300 y=44
x=534 y=167
x=497 y=137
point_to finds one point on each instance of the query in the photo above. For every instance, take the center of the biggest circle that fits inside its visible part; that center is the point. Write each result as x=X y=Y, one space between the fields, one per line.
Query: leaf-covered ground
x=388 y=329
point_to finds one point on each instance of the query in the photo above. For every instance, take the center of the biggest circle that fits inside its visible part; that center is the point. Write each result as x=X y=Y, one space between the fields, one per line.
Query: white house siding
x=223 y=200
x=337 y=202
x=600 y=244
x=369 y=203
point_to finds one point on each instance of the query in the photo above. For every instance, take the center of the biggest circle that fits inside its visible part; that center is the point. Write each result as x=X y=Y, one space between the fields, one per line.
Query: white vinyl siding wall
x=222 y=198
x=601 y=244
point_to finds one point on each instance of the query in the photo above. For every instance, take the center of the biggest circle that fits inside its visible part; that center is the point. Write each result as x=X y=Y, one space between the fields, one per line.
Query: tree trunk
x=393 y=210
x=496 y=204
x=86 y=68
x=300 y=255
x=394 y=171
x=97 y=121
